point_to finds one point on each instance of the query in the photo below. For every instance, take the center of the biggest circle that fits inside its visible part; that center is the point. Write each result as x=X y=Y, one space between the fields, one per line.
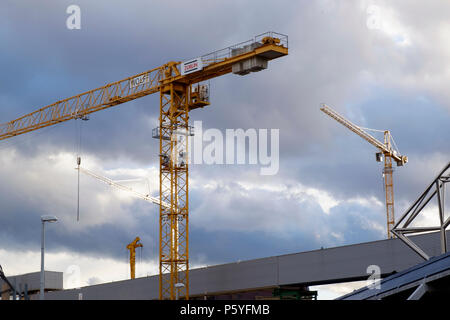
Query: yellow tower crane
x=180 y=91
x=385 y=149
x=132 y=247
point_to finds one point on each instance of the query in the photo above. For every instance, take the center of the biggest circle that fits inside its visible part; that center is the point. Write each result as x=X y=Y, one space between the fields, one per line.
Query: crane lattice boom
x=389 y=154
x=214 y=64
x=122 y=187
x=385 y=148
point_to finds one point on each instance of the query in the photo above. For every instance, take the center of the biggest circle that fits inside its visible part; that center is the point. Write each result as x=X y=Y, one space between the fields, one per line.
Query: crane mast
x=175 y=82
x=132 y=248
x=389 y=154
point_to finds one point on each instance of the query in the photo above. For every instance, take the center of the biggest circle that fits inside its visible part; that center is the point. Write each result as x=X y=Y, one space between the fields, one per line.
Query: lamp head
x=49 y=219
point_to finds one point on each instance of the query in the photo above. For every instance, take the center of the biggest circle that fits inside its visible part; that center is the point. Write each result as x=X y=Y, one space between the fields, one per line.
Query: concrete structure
x=31 y=282
x=259 y=277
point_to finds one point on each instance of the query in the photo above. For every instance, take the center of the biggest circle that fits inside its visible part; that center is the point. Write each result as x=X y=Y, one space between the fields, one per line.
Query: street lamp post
x=44 y=219
x=177 y=288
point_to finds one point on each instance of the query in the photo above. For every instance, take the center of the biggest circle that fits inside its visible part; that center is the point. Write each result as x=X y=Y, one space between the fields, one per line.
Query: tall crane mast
x=132 y=247
x=385 y=149
x=175 y=82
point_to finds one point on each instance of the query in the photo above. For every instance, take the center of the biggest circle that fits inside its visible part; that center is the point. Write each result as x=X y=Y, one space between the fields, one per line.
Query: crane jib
x=363 y=134
x=269 y=46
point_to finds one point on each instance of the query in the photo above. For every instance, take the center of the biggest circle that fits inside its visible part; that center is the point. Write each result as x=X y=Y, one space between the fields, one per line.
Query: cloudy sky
x=382 y=64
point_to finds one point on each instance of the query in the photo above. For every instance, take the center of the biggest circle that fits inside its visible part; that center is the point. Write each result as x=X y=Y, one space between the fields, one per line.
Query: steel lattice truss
x=174 y=262
x=404 y=227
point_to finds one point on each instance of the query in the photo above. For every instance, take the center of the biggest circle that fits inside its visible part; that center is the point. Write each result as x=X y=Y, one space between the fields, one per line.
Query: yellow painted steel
x=122 y=91
x=132 y=247
x=83 y=104
x=174 y=221
x=176 y=101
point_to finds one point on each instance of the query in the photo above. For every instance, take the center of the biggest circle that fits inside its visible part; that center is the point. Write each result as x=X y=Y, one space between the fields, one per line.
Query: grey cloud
x=334 y=58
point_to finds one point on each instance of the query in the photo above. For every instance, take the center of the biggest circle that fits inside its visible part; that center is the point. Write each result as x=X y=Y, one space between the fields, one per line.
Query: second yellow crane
x=385 y=149
x=132 y=247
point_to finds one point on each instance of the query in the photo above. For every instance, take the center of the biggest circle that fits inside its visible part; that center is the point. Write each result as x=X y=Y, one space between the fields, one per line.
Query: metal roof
x=431 y=270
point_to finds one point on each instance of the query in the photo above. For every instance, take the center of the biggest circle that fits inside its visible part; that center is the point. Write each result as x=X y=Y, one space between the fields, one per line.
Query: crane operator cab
x=199 y=96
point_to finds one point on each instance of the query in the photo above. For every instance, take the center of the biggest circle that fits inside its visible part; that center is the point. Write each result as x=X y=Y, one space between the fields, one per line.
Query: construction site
x=398 y=249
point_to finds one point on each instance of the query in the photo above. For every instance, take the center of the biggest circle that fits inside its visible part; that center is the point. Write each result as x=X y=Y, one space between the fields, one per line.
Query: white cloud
x=49 y=182
x=384 y=19
x=282 y=208
x=333 y=291
x=91 y=268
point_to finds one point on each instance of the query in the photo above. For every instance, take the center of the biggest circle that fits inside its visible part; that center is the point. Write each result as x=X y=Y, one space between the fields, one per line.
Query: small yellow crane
x=385 y=149
x=132 y=247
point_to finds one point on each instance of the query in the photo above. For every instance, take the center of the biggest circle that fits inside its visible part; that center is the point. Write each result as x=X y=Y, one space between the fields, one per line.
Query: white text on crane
x=137 y=81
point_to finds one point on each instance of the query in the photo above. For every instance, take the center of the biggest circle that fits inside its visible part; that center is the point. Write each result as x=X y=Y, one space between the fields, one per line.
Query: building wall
x=332 y=265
